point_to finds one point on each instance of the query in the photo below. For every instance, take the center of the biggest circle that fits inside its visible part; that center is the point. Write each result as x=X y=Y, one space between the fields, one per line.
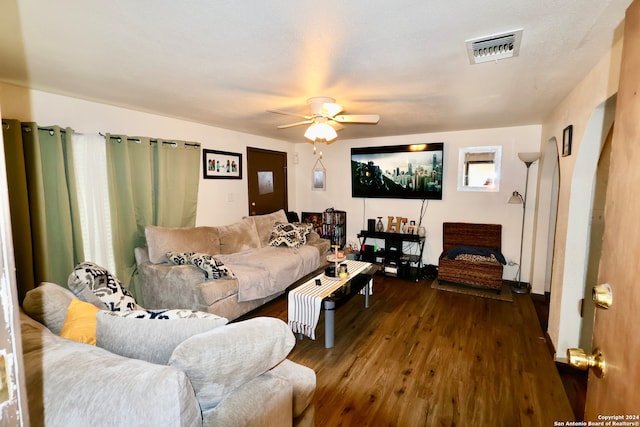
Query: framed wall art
x=221 y=165
x=318 y=177
x=567 y=135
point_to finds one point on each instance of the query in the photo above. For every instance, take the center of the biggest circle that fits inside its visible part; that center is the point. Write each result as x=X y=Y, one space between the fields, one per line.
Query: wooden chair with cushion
x=478 y=261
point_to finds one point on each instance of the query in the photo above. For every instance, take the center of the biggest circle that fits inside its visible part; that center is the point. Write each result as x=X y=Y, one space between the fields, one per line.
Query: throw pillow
x=213 y=268
x=148 y=338
x=304 y=230
x=80 y=324
x=289 y=234
x=95 y=284
x=180 y=258
x=219 y=360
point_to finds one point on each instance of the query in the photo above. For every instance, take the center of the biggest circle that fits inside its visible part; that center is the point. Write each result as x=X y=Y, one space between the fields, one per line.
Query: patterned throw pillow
x=291 y=234
x=212 y=267
x=95 y=284
x=304 y=229
x=180 y=258
x=169 y=314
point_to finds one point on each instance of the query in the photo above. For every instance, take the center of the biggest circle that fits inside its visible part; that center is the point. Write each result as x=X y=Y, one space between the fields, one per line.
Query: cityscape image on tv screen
x=399 y=171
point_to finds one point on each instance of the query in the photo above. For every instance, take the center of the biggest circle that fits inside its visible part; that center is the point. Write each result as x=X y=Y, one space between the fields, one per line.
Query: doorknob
x=602 y=295
x=579 y=359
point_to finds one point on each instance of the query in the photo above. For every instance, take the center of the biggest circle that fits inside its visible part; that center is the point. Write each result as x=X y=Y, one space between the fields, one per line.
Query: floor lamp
x=517 y=198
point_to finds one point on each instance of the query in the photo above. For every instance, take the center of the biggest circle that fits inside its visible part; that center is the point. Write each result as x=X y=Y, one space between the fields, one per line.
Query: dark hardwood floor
x=574 y=381
x=425 y=357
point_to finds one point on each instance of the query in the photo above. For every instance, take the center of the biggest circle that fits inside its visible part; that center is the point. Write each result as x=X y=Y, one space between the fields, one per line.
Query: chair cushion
x=222 y=359
x=48 y=304
x=148 y=339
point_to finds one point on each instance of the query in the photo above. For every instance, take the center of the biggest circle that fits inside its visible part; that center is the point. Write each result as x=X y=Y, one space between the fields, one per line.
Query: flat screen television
x=398 y=171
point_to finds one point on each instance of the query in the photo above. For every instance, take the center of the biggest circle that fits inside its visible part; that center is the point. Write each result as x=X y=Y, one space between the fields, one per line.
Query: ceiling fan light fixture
x=320 y=131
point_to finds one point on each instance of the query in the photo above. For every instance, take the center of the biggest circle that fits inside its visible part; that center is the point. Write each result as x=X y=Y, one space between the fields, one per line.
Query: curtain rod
x=50 y=129
x=118 y=138
x=152 y=141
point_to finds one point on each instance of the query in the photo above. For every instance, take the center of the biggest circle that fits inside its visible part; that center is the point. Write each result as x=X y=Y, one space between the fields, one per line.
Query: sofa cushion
x=48 y=305
x=150 y=339
x=213 y=268
x=303 y=380
x=224 y=358
x=80 y=323
x=237 y=237
x=95 y=284
x=161 y=240
x=264 y=224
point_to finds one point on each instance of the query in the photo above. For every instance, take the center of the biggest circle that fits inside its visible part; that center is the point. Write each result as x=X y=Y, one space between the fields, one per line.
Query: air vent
x=495 y=47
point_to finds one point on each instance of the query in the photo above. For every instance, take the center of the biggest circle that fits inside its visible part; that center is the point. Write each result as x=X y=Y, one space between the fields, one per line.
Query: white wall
x=455 y=206
x=586 y=109
x=219 y=201
x=225 y=201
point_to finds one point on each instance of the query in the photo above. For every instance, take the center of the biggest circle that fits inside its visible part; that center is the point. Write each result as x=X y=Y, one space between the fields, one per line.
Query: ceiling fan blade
x=304 y=122
x=287 y=113
x=330 y=109
x=357 y=118
x=335 y=125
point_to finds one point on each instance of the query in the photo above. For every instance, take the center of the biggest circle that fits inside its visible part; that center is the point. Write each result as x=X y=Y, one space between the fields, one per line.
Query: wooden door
x=615 y=329
x=267 y=180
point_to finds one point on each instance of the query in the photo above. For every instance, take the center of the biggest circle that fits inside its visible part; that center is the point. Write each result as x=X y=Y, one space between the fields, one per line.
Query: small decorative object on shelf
x=379 y=225
x=394 y=225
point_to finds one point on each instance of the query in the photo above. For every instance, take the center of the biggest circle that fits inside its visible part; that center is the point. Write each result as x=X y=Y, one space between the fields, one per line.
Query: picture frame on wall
x=318 y=179
x=314 y=218
x=221 y=164
x=567 y=136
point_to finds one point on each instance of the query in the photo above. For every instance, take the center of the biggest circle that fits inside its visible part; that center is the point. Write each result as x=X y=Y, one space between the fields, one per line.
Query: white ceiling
x=224 y=63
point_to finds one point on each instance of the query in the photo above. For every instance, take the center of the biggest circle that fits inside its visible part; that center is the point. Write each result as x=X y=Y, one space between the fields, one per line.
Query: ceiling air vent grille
x=495 y=47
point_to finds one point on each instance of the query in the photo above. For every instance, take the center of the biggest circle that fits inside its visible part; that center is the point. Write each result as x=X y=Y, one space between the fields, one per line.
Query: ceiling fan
x=325 y=119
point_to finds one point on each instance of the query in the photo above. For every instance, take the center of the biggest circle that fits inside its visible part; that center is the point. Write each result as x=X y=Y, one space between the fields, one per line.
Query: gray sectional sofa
x=259 y=270
x=227 y=375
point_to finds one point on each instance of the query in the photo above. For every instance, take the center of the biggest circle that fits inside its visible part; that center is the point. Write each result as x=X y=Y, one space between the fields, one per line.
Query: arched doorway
x=571 y=290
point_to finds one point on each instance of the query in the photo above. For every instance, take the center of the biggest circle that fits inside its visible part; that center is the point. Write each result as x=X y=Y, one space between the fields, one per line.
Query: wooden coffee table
x=333 y=297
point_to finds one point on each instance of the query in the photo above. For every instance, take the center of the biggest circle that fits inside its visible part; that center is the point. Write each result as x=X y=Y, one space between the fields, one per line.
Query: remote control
x=318 y=282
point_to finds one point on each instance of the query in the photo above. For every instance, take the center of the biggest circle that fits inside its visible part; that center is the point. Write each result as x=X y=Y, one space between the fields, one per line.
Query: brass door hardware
x=579 y=359
x=602 y=296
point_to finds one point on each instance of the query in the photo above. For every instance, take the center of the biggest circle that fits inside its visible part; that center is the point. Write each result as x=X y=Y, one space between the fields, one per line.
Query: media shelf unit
x=334 y=227
x=398 y=257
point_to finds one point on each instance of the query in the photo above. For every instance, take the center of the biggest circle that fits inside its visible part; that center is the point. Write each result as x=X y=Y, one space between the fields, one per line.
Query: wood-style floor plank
x=425 y=357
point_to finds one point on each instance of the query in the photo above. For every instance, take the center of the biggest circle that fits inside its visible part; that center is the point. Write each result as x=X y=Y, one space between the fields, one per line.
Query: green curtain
x=50 y=207
x=151 y=182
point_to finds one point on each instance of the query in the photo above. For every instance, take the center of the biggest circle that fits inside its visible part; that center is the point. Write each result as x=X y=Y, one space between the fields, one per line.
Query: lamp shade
x=529 y=157
x=320 y=131
x=516 y=198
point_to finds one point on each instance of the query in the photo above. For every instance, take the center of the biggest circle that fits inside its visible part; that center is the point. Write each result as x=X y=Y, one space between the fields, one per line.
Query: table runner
x=304 y=302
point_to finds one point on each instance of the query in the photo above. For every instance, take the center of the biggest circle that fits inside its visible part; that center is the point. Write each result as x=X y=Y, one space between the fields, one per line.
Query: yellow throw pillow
x=80 y=323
